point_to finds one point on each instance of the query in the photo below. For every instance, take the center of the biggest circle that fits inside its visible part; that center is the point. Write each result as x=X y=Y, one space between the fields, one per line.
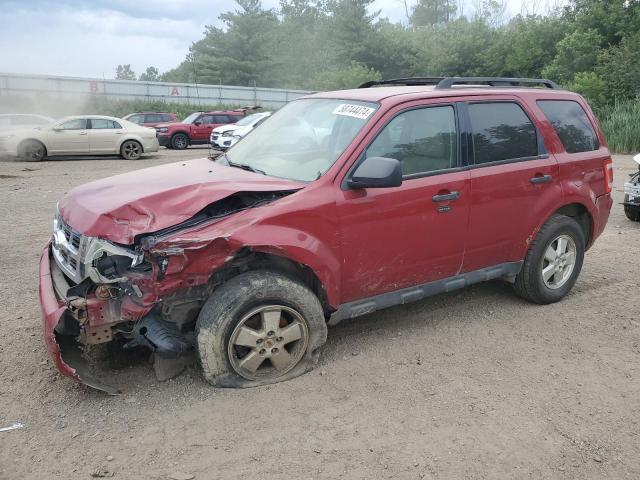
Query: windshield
x=249 y=120
x=191 y=118
x=303 y=139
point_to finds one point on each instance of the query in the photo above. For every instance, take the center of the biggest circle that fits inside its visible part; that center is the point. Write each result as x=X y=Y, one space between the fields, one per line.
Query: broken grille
x=68 y=250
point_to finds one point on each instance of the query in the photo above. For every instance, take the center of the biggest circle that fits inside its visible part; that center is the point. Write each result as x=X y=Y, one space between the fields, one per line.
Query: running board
x=418 y=292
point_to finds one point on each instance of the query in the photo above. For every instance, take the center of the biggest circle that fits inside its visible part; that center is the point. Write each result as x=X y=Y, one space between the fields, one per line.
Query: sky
x=90 y=38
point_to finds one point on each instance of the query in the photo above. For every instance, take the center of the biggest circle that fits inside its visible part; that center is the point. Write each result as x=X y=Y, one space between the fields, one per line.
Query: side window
x=571 y=124
x=501 y=131
x=103 y=124
x=206 y=119
x=222 y=119
x=136 y=119
x=153 y=118
x=167 y=118
x=75 y=124
x=423 y=140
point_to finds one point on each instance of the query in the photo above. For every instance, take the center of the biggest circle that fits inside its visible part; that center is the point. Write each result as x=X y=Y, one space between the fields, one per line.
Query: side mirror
x=377 y=172
x=57 y=129
x=197 y=123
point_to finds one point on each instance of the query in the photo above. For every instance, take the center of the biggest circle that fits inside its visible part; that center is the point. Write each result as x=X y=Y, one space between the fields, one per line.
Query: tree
x=433 y=12
x=124 y=72
x=576 y=53
x=243 y=52
x=151 y=75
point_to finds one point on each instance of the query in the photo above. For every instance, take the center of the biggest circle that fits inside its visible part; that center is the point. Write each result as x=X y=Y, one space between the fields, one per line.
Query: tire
x=533 y=283
x=632 y=213
x=179 y=141
x=32 y=151
x=269 y=306
x=131 y=150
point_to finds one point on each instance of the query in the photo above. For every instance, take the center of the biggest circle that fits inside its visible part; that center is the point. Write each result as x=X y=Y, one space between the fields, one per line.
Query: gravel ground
x=472 y=384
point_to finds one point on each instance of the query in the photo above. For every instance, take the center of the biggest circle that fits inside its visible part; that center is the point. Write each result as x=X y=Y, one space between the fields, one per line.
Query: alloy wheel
x=268 y=342
x=559 y=261
x=131 y=150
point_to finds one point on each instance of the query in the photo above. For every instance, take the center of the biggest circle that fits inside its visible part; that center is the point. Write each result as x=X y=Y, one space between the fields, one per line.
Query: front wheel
x=259 y=328
x=179 y=141
x=553 y=262
x=131 y=150
x=632 y=213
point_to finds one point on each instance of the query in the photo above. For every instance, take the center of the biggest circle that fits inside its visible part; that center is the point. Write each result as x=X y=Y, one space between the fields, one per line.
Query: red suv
x=341 y=204
x=151 y=119
x=195 y=129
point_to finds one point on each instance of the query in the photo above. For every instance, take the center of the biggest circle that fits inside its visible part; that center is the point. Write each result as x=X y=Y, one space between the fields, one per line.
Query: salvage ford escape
x=390 y=193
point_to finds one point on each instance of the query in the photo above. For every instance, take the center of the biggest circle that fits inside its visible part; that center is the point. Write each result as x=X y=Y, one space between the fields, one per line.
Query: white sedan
x=80 y=135
x=225 y=136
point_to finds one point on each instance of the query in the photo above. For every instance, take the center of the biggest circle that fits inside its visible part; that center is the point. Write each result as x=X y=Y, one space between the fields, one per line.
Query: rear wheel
x=131 y=150
x=179 y=141
x=553 y=262
x=258 y=328
x=632 y=213
x=32 y=151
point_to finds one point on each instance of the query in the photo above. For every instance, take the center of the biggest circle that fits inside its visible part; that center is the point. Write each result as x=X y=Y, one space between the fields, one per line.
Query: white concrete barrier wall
x=66 y=87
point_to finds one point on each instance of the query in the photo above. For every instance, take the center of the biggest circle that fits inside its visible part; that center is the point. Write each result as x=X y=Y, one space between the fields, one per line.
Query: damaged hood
x=119 y=208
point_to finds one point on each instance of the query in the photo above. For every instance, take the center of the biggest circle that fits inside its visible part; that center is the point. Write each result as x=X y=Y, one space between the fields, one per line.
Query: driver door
x=69 y=137
x=393 y=238
x=201 y=130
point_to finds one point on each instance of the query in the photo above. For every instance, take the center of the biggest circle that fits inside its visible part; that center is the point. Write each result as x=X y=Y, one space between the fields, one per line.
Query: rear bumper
x=151 y=145
x=602 y=210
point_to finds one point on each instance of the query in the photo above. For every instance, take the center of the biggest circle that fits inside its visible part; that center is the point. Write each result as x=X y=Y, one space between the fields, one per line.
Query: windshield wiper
x=243 y=166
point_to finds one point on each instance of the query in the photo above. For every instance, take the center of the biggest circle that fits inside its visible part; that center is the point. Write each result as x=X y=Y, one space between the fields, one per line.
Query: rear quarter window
x=572 y=125
x=501 y=131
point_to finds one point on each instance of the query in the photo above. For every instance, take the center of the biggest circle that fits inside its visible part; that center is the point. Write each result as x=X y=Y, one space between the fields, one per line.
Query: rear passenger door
x=105 y=135
x=514 y=181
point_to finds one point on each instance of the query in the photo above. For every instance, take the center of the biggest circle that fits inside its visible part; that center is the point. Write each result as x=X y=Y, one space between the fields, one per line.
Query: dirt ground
x=472 y=384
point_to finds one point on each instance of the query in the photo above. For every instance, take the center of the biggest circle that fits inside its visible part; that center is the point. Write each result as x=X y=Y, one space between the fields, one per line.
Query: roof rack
x=442 y=83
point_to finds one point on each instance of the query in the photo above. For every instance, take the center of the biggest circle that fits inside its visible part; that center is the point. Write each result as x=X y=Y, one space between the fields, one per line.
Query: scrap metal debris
x=15 y=426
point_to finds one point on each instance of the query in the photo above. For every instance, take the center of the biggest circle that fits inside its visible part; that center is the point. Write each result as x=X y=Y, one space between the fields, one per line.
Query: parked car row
x=31 y=137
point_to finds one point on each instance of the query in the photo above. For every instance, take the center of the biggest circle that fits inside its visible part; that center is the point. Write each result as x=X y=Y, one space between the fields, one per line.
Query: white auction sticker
x=356 y=111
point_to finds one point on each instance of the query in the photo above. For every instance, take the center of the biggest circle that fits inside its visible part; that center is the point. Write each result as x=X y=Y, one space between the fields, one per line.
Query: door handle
x=541 y=179
x=446 y=197
x=83 y=133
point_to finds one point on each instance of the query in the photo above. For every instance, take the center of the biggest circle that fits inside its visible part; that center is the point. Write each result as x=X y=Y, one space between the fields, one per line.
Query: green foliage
x=151 y=75
x=124 y=72
x=433 y=12
x=348 y=77
x=591 y=86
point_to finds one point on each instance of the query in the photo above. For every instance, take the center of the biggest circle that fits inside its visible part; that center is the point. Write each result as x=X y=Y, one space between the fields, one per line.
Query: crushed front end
x=93 y=291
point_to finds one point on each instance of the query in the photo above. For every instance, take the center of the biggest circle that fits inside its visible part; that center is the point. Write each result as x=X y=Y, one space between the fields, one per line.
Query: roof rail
x=408 y=81
x=496 y=82
x=448 y=82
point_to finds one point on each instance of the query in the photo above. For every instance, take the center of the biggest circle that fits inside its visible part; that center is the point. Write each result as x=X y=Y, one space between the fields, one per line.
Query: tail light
x=608 y=175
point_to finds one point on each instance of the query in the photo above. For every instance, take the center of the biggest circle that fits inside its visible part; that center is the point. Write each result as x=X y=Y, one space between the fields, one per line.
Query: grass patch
x=621 y=126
